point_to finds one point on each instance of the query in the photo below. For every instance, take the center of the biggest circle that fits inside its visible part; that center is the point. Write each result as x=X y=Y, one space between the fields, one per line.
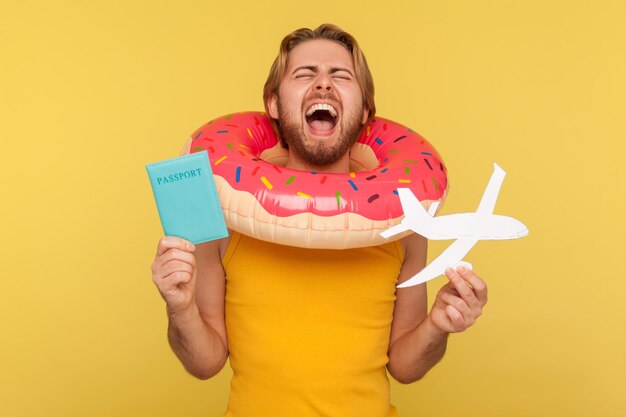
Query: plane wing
x=447 y=259
x=490 y=196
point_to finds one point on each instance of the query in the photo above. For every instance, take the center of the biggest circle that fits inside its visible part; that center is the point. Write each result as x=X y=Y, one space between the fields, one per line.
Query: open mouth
x=321 y=118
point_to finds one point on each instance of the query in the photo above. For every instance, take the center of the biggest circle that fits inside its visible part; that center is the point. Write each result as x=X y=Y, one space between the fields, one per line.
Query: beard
x=320 y=153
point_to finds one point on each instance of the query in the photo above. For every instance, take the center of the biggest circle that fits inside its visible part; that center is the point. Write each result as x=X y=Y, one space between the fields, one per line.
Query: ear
x=366 y=114
x=272 y=106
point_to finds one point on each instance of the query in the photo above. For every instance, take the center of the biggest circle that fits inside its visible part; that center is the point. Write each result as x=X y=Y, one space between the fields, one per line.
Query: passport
x=186 y=198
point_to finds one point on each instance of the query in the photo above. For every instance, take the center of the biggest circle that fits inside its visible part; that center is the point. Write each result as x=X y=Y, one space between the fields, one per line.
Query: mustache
x=322 y=96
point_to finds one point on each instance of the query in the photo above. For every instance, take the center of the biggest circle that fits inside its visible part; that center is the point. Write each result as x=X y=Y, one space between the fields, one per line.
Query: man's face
x=319 y=103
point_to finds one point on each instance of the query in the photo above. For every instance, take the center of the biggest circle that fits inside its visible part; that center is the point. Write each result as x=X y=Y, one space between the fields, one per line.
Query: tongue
x=321 y=125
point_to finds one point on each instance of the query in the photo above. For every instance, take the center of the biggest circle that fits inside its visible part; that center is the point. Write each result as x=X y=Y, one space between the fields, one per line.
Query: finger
x=175 y=266
x=449 y=288
x=168 y=242
x=178 y=277
x=175 y=254
x=456 y=318
x=461 y=286
x=459 y=304
x=479 y=286
x=169 y=284
x=170 y=255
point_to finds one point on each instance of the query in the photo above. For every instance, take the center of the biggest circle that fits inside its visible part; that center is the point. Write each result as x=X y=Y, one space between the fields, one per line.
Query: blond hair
x=329 y=32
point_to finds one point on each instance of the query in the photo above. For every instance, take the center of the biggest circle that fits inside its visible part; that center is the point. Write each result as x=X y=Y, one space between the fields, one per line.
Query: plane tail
x=413 y=211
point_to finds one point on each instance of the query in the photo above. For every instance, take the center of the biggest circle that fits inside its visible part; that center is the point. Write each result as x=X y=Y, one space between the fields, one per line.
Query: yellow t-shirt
x=308 y=329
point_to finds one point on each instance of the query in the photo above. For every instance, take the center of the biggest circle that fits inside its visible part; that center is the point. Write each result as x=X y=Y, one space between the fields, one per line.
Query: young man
x=311 y=332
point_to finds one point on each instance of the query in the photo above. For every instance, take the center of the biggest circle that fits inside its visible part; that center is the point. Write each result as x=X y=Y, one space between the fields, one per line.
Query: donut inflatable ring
x=262 y=199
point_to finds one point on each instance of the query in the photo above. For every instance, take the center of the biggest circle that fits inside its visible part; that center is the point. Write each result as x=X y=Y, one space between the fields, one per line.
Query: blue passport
x=186 y=198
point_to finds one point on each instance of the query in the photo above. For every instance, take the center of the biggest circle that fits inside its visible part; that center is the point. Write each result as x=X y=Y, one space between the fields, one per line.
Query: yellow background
x=92 y=91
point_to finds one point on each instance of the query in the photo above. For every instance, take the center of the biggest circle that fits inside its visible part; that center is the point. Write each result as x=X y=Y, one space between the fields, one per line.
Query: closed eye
x=341 y=73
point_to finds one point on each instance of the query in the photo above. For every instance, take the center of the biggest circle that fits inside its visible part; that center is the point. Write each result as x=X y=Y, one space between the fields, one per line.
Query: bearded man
x=311 y=332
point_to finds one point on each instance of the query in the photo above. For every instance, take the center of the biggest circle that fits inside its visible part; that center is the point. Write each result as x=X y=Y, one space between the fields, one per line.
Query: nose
x=323 y=83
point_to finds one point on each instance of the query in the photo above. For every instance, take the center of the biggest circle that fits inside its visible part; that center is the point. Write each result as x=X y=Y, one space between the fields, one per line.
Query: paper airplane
x=466 y=228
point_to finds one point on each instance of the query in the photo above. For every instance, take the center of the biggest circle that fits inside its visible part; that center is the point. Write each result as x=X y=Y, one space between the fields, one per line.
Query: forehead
x=319 y=52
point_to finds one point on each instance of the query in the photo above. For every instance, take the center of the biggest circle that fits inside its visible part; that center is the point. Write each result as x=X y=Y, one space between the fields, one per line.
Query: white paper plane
x=466 y=228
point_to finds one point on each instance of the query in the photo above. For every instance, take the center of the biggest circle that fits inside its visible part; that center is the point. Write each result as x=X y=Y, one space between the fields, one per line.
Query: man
x=310 y=332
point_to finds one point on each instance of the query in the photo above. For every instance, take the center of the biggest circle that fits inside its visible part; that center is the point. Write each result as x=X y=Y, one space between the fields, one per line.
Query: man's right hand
x=174 y=273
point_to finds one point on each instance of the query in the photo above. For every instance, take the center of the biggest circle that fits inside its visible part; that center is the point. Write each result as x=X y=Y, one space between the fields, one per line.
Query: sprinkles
x=235 y=142
x=372 y=198
x=266 y=182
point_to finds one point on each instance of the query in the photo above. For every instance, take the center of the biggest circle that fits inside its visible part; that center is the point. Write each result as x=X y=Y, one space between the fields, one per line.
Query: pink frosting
x=406 y=160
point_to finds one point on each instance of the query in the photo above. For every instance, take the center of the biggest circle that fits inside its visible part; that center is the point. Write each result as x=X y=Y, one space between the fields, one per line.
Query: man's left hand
x=460 y=302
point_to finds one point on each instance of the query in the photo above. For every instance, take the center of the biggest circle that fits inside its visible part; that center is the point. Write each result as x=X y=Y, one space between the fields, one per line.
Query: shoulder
x=415 y=248
x=222 y=245
x=414 y=245
x=214 y=249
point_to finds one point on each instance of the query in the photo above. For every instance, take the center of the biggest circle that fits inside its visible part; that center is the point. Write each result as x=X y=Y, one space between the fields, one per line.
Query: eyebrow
x=314 y=68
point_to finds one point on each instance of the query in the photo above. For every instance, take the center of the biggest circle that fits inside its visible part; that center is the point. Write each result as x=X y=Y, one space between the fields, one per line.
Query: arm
x=415 y=344
x=418 y=340
x=193 y=287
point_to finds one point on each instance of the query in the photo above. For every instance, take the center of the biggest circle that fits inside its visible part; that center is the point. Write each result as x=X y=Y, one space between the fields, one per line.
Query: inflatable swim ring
x=262 y=199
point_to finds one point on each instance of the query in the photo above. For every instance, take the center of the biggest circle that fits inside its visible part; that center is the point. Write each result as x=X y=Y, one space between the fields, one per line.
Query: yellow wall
x=92 y=91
